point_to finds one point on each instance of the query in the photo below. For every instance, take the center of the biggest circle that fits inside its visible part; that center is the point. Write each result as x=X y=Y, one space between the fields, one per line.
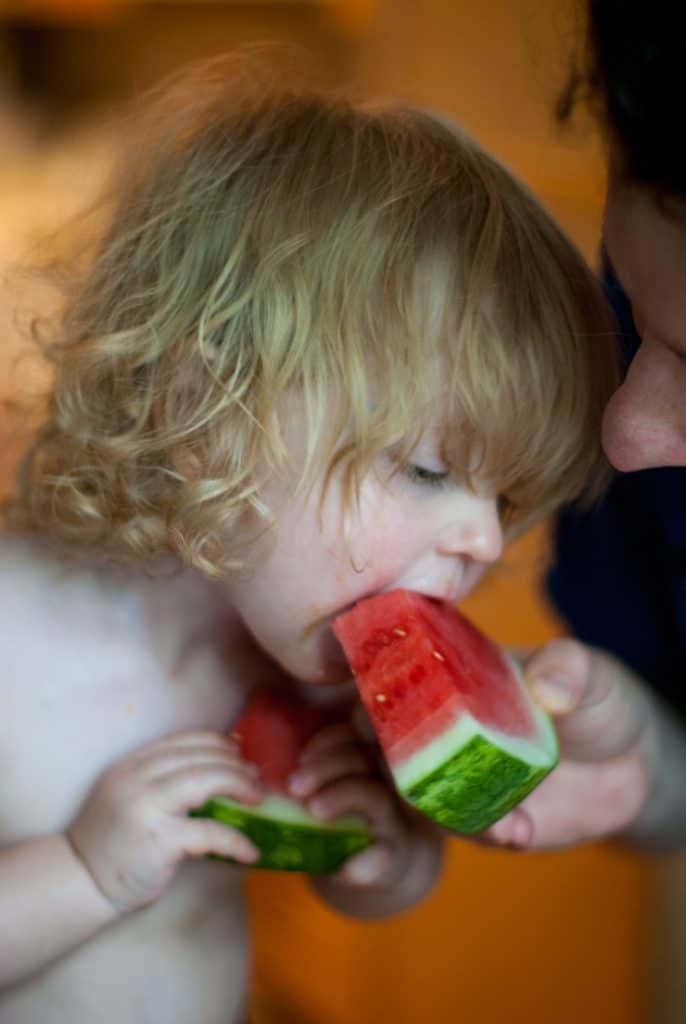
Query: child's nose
x=477 y=534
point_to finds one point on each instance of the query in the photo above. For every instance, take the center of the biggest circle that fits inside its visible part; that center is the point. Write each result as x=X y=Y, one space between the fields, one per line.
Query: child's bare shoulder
x=36 y=586
x=93 y=664
x=27 y=579
x=21 y=557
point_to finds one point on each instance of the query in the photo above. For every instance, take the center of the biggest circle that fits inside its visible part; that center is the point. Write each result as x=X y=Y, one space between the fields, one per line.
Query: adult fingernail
x=553 y=692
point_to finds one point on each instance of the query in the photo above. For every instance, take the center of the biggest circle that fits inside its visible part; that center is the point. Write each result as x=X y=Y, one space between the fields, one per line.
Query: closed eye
x=428 y=477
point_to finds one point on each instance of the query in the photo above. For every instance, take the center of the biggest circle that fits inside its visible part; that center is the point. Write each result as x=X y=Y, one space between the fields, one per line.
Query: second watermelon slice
x=464 y=741
x=271 y=733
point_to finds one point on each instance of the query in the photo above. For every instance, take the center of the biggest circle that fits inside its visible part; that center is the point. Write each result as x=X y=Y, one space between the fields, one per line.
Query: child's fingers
x=330 y=766
x=362 y=725
x=202 y=836
x=183 y=789
x=191 y=738
x=170 y=750
x=175 y=760
x=374 y=866
x=361 y=795
x=329 y=738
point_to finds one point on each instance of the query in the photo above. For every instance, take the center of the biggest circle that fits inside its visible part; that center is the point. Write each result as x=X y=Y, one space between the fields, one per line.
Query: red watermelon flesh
x=463 y=739
x=419 y=664
x=272 y=732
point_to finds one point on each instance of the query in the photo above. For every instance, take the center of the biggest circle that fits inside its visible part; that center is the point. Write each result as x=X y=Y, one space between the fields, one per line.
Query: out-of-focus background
x=586 y=937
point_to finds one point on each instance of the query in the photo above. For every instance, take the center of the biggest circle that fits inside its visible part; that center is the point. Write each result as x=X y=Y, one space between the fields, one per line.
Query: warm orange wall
x=504 y=939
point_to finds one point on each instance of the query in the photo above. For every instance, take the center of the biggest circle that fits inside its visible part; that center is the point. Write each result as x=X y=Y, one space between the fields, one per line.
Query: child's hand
x=337 y=774
x=133 y=830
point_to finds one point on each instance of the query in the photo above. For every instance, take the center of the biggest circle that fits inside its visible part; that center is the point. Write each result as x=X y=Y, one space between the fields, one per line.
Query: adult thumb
x=598 y=703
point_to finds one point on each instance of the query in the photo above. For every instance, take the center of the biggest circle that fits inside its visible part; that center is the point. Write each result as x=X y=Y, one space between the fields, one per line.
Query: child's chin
x=325 y=674
x=334 y=664
x=319 y=661
x=321 y=670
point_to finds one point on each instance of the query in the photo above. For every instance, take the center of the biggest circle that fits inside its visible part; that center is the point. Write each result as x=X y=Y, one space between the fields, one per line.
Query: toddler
x=320 y=350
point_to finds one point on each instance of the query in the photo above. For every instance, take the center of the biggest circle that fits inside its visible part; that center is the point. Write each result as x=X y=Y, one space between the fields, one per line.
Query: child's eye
x=428 y=477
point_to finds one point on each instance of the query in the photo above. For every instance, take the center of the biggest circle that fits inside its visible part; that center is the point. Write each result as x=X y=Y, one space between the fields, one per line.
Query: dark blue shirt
x=619 y=577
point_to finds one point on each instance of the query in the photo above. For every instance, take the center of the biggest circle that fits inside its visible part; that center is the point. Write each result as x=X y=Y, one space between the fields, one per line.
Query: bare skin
x=118 y=691
x=105 y=669
x=622 y=758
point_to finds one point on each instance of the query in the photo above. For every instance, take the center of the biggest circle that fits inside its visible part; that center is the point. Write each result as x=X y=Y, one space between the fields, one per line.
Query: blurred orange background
x=562 y=938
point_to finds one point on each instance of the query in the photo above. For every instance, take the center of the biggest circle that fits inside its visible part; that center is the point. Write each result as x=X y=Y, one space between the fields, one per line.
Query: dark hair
x=633 y=75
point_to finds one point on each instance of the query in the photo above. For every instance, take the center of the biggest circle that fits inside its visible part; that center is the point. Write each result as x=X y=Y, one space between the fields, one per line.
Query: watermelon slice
x=464 y=741
x=272 y=732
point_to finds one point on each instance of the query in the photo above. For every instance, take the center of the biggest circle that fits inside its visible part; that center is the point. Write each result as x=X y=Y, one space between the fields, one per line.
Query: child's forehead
x=446 y=431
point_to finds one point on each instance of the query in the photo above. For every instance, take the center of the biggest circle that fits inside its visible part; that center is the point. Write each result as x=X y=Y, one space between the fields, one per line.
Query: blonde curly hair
x=265 y=242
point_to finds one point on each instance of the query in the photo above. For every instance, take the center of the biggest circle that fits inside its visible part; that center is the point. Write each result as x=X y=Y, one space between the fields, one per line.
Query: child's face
x=420 y=529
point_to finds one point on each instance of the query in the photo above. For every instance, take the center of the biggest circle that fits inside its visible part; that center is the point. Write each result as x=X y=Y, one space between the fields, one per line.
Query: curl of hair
x=631 y=77
x=266 y=242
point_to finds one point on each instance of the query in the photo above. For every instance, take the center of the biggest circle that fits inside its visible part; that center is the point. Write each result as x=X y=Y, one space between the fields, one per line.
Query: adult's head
x=635 y=77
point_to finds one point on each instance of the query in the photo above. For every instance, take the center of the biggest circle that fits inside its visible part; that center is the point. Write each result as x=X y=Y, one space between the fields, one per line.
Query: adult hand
x=612 y=777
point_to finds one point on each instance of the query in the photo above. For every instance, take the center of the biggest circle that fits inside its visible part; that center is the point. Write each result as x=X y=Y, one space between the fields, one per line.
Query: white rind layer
x=277 y=807
x=542 y=752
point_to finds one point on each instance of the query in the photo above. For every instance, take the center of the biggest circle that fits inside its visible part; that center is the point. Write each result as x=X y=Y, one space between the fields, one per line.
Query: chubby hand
x=605 y=721
x=133 y=830
x=338 y=774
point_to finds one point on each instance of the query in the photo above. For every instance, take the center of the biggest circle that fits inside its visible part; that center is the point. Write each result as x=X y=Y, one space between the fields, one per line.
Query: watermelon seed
x=438 y=656
x=399 y=632
x=381 y=697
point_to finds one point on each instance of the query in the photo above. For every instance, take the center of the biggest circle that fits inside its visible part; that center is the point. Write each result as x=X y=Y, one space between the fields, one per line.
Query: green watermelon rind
x=471 y=776
x=288 y=836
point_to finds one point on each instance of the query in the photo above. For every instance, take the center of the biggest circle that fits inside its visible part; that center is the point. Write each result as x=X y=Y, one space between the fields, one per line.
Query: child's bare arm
x=338 y=776
x=123 y=849
x=49 y=904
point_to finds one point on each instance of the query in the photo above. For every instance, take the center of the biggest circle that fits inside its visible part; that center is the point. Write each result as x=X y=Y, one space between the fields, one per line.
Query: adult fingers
x=516 y=830
x=598 y=704
x=576 y=803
